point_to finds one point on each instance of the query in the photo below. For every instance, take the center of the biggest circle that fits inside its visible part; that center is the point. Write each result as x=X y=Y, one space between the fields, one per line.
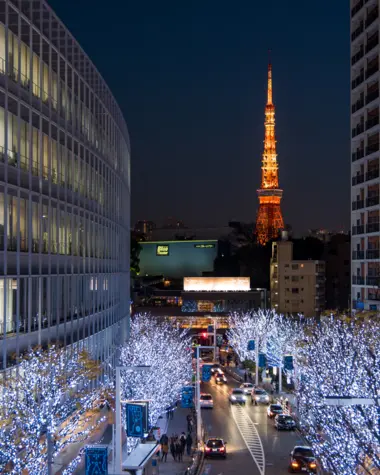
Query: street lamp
x=118 y=423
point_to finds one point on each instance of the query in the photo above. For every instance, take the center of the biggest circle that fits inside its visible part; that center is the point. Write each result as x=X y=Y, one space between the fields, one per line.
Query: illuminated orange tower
x=269 y=218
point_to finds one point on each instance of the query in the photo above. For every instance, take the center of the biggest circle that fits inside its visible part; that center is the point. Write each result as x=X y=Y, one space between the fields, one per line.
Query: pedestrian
x=172 y=448
x=178 y=450
x=165 y=450
x=189 y=423
x=189 y=443
x=245 y=377
x=182 y=440
x=164 y=439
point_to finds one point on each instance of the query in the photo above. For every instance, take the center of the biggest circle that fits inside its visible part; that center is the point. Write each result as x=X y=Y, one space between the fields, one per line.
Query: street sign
x=262 y=360
x=96 y=460
x=288 y=362
x=187 y=396
x=206 y=373
x=251 y=345
x=210 y=329
x=137 y=419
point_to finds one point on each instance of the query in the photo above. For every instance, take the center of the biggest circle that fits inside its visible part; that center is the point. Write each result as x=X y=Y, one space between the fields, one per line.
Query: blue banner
x=187 y=396
x=262 y=360
x=273 y=358
x=206 y=373
x=96 y=460
x=251 y=345
x=210 y=329
x=137 y=419
x=288 y=362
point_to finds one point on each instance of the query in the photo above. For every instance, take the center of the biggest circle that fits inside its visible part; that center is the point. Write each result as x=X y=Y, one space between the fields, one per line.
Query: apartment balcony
x=372 y=174
x=358 y=204
x=356 y=8
x=358 y=105
x=358 y=229
x=373 y=68
x=372 y=42
x=358 y=255
x=372 y=16
x=375 y=297
x=373 y=280
x=373 y=254
x=357 y=81
x=358 y=280
x=359 y=30
x=372 y=201
x=371 y=96
x=372 y=228
x=357 y=56
x=371 y=122
x=358 y=154
x=372 y=148
x=356 y=180
x=359 y=129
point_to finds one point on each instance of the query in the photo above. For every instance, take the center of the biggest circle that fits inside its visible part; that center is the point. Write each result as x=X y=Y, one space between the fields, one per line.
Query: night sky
x=190 y=78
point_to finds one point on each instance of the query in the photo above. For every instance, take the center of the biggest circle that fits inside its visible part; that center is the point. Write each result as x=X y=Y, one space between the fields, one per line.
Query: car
x=215 y=367
x=215 y=447
x=206 y=401
x=259 y=396
x=274 y=410
x=283 y=421
x=220 y=378
x=302 y=459
x=247 y=387
x=237 y=396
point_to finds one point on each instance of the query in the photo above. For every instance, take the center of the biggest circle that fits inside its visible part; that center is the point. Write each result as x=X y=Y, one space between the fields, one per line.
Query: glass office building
x=64 y=191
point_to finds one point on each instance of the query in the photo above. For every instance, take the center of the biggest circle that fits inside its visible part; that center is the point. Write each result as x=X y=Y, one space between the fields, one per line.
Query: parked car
x=302 y=459
x=285 y=422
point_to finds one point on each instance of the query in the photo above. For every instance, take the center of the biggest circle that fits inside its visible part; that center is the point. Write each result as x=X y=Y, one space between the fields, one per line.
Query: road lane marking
x=250 y=436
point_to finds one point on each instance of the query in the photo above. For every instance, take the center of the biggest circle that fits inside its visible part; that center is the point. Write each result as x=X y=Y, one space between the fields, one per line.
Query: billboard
x=162 y=250
x=217 y=284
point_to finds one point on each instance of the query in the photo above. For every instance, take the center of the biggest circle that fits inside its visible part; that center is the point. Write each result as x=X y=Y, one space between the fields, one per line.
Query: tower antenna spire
x=269 y=96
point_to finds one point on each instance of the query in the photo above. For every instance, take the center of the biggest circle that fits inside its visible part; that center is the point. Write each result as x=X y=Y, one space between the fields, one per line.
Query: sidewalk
x=177 y=425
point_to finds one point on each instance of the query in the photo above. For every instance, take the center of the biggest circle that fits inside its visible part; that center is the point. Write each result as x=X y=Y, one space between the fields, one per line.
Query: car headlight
x=233 y=398
x=257 y=398
x=313 y=465
x=244 y=398
x=267 y=398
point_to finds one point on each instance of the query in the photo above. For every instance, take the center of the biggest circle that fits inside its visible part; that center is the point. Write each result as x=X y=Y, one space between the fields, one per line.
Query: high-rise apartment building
x=365 y=214
x=296 y=287
x=64 y=191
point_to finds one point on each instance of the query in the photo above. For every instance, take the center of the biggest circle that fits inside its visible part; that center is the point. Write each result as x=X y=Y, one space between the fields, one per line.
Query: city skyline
x=192 y=89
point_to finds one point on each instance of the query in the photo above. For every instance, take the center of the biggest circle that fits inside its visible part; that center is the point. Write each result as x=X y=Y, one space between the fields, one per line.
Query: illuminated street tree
x=167 y=350
x=342 y=360
x=42 y=404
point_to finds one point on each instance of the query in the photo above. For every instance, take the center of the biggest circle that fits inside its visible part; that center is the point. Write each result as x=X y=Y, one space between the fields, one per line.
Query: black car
x=274 y=410
x=302 y=459
x=283 y=421
x=215 y=447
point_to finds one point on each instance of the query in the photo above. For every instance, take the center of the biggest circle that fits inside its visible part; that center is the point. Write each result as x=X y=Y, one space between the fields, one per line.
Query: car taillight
x=222 y=449
x=271 y=413
x=294 y=464
x=313 y=465
x=208 y=449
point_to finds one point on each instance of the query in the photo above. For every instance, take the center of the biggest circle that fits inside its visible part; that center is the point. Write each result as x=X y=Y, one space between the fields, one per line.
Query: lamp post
x=198 y=394
x=118 y=450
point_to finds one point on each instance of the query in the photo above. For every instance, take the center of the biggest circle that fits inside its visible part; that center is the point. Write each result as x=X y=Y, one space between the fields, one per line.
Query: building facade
x=177 y=259
x=297 y=287
x=64 y=191
x=365 y=192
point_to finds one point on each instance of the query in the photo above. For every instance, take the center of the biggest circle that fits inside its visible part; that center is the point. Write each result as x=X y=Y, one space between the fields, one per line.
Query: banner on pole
x=251 y=345
x=210 y=329
x=96 y=460
x=262 y=360
x=187 y=396
x=137 y=419
x=288 y=363
x=206 y=373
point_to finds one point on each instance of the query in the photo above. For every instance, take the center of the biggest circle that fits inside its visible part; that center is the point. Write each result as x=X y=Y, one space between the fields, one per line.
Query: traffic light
x=204 y=335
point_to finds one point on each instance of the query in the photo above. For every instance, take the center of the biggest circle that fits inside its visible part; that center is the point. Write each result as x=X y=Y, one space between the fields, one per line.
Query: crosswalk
x=250 y=436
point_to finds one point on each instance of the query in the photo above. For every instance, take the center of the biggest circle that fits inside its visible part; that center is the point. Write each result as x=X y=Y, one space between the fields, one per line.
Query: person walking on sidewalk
x=182 y=440
x=189 y=443
x=245 y=377
x=178 y=450
x=172 y=448
x=165 y=450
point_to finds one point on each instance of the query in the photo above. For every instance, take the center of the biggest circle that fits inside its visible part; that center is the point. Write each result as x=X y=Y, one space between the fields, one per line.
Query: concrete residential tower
x=365 y=208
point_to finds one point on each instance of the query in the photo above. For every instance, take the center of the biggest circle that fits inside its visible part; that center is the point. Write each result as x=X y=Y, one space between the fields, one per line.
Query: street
x=254 y=446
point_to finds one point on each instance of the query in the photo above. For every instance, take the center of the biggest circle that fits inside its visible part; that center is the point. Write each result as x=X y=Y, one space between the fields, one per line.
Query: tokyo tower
x=269 y=218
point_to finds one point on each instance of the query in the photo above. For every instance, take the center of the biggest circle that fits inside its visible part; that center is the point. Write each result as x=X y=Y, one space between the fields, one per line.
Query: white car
x=247 y=387
x=206 y=401
x=237 y=396
x=259 y=396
